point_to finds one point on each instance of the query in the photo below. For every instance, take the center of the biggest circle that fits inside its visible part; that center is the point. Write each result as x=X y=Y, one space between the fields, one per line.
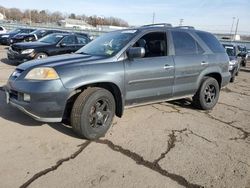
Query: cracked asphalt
x=170 y=144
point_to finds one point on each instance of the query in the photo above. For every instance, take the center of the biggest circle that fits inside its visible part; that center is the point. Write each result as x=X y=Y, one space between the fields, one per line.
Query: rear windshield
x=211 y=42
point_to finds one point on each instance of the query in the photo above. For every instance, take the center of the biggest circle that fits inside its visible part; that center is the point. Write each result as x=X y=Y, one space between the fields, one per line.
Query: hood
x=59 y=60
x=28 y=45
x=20 y=36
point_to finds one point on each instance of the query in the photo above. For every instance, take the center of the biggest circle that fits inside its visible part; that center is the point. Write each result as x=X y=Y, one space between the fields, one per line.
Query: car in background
x=2 y=30
x=33 y=36
x=243 y=53
x=234 y=63
x=50 y=45
x=5 y=38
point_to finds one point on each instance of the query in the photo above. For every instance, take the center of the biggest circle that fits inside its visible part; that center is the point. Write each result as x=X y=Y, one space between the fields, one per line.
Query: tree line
x=45 y=16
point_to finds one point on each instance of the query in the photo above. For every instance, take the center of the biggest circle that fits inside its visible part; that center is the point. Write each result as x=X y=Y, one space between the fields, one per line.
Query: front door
x=150 y=78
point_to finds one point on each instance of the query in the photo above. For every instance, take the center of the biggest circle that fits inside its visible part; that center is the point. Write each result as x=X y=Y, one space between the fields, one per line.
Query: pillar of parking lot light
x=231 y=35
x=236 y=29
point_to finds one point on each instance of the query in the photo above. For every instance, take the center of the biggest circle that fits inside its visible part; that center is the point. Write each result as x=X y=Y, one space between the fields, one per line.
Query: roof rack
x=185 y=27
x=158 y=24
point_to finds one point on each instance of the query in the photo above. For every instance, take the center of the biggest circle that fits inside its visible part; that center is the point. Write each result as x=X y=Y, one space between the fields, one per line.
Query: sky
x=210 y=15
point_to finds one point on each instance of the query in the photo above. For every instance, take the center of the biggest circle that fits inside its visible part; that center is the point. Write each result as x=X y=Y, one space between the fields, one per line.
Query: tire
x=41 y=55
x=232 y=79
x=207 y=95
x=92 y=113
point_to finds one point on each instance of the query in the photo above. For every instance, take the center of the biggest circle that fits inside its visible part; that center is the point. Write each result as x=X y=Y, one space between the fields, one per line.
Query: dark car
x=129 y=67
x=50 y=45
x=5 y=38
x=243 y=53
x=33 y=36
x=234 y=63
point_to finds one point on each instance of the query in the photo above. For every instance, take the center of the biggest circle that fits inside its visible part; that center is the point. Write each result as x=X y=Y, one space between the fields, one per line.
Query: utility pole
x=236 y=29
x=231 y=35
x=153 y=21
x=181 y=22
x=30 y=16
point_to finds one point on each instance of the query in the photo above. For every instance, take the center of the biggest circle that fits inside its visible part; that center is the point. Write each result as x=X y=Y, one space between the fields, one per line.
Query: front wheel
x=207 y=95
x=93 y=112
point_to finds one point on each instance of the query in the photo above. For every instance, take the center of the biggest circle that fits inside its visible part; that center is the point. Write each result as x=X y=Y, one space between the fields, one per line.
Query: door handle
x=204 y=63
x=167 y=67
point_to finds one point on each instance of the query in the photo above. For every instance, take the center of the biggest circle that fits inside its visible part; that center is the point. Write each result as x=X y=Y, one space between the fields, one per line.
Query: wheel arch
x=111 y=87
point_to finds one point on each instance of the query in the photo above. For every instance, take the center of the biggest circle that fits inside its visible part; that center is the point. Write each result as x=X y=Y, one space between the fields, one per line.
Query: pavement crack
x=244 y=135
x=150 y=165
x=171 y=145
x=227 y=90
x=55 y=167
x=232 y=106
x=174 y=109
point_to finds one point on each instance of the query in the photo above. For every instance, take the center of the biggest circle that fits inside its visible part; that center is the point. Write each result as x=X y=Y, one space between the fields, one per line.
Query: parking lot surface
x=170 y=144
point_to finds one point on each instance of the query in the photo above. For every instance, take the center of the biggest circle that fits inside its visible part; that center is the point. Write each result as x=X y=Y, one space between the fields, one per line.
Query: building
x=76 y=24
x=2 y=16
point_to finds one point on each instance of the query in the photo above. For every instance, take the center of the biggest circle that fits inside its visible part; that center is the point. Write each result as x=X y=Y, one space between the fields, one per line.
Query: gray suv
x=122 y=68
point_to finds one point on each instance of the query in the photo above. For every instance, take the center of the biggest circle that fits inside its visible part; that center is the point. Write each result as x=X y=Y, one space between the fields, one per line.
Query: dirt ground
x=161 y=145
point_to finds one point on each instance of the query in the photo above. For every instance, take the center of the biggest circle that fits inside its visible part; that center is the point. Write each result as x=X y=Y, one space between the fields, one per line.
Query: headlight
x=232 y=62
x=5 y=36
x=28 y=51
x=42 y=73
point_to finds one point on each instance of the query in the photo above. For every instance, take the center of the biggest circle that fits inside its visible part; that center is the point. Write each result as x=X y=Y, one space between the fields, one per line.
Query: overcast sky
x=212 y=15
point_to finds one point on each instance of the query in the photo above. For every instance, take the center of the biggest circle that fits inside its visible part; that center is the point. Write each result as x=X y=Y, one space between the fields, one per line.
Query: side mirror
x=136 y=52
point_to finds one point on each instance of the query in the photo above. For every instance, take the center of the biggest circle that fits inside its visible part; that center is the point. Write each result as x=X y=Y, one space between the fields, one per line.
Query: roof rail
x=158 y=24
x=185 y=27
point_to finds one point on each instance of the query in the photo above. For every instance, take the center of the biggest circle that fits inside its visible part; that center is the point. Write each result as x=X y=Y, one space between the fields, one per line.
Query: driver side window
x=155 y=44
x=69 y=40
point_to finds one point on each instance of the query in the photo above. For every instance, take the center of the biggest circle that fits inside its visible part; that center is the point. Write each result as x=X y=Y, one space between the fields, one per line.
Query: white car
x=2 y=30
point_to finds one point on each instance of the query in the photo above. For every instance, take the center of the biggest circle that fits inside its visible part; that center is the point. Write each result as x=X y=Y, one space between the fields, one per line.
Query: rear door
x=190 y=61
x=150 y=78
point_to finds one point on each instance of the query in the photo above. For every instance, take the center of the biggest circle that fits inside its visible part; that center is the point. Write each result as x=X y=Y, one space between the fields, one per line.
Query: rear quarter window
x=211 y=42
x=185 y=44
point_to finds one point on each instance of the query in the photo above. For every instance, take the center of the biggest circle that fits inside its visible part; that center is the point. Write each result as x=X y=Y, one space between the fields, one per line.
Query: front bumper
x=19 y=58
x=226 y=76
x=47 y=98
x=5 y=41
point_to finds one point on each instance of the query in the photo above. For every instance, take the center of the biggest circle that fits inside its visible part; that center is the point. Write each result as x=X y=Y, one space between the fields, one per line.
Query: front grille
x=16 y=49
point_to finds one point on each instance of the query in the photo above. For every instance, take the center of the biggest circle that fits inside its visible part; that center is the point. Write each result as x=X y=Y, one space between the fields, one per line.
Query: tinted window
x=69 y=40
x=154 y=43
x=82 y=39
x=185 y=44
x=1 y=29
x=211 y=42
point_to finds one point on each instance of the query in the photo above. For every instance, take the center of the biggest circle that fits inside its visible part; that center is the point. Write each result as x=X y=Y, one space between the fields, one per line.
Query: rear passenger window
x=211 y=42
x=82 y=39
x=185 y=44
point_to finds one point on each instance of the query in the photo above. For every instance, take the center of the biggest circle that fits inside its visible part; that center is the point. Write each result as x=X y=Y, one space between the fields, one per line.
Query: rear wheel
x=41 y=56
x=208 y=94
x=92 y=113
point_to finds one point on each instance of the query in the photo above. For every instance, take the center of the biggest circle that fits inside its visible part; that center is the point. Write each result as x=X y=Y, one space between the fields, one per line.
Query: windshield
x=38 y=32
x=15 y=31
x=108 y=44
x=230 y=51
x=51 y=39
